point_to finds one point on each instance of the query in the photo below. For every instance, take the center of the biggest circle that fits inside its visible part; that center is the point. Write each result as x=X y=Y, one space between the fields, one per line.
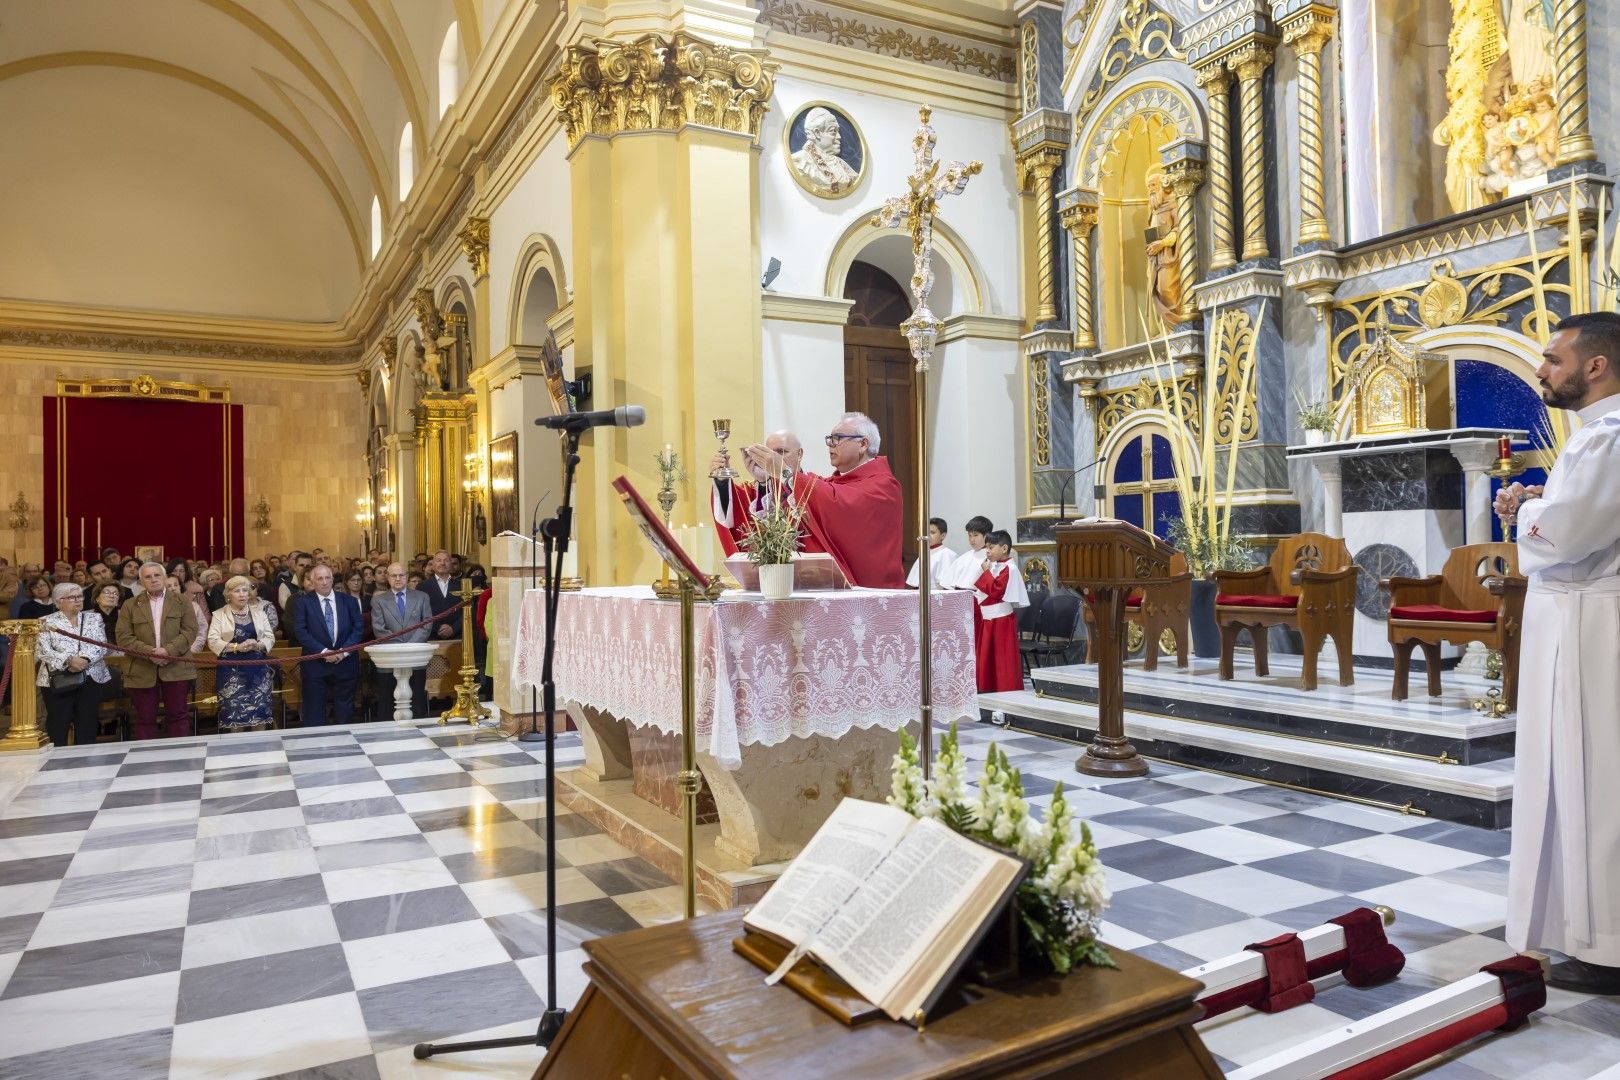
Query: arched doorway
x=879 y=379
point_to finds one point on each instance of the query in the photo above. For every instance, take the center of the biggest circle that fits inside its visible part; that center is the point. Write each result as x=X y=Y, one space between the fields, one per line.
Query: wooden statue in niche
x=1164 y=268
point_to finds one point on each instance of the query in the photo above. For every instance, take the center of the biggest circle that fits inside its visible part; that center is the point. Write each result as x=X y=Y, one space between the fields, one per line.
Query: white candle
x=570 y=562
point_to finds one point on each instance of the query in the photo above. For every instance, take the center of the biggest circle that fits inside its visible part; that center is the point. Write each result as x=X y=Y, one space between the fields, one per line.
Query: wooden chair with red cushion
x=1156 y=608
x=1309 y=586
x=1477 y=596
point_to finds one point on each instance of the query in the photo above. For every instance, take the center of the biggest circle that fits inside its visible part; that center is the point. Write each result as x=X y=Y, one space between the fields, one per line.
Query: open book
x=892 y=904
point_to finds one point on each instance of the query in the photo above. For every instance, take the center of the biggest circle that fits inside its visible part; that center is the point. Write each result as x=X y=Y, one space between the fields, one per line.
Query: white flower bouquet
x=1061 y=901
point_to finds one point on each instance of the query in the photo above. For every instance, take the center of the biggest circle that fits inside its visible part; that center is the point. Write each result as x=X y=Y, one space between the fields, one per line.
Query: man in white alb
x=1564 y=868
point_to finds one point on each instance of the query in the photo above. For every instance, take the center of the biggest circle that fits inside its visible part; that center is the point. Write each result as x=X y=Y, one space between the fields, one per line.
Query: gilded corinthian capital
x=659 y=83
x=474 y=237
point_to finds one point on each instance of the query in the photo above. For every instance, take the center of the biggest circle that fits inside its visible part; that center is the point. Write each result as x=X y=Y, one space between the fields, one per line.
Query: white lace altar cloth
x=815 y=664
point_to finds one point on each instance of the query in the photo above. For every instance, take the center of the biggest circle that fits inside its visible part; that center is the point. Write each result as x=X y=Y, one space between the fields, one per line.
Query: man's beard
x=1568 y=394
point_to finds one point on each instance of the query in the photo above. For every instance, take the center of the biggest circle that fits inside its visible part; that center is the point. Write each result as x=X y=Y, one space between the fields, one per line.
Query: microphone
x=623 y=416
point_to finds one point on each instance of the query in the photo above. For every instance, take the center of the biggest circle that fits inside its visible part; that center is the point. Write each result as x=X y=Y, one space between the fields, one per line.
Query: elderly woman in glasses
x=72 y=673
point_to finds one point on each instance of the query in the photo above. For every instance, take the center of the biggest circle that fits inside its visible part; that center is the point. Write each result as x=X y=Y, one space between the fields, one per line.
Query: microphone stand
x=536 y=528
x=556 y=530
x=1063 y=492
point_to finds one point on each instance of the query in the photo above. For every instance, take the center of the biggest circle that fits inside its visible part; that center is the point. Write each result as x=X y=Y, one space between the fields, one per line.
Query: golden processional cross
x=929 y=182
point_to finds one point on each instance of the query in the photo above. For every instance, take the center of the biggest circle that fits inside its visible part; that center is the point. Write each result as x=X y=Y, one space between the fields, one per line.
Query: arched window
x=407 y=161
x=449 y=68
x=376 y=226
x=1143 y=490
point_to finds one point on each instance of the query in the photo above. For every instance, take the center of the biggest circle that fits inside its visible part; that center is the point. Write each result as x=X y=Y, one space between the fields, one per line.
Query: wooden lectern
x=676 y=1001
x=1105 y=560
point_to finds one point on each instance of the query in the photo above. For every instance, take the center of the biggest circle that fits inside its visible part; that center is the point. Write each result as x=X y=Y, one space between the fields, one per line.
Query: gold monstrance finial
x=929 y=182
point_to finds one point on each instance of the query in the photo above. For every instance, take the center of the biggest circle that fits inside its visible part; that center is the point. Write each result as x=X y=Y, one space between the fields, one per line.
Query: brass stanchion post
x=467 y=706
x=25 y=733
x=689 y=780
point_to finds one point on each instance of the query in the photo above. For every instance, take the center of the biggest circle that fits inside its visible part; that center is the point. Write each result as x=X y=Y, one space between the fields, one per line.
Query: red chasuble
x=731 y=523
x=856 y=517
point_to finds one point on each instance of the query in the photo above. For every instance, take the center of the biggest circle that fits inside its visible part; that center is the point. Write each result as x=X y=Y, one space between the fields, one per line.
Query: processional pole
x=915 y=210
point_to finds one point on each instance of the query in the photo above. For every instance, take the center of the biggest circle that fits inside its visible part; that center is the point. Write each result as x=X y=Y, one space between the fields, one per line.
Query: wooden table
x=676 y=1001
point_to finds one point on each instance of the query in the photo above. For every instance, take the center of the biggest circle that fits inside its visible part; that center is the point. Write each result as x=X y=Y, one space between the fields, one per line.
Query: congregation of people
x=137 y=627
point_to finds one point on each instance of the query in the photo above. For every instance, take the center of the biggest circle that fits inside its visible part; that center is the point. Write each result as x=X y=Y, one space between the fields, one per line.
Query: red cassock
x=996 y=635
x=856 y=517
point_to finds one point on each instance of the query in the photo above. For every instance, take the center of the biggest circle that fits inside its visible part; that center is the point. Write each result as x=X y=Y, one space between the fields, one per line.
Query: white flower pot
x=776 y=581
x=1315 y=437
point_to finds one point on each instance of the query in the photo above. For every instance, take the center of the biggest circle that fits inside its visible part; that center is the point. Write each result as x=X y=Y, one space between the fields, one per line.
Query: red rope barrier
x=278 y=661
x=11 y=654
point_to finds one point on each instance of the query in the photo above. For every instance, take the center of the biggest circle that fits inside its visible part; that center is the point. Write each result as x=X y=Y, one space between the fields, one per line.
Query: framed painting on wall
x=503 y=503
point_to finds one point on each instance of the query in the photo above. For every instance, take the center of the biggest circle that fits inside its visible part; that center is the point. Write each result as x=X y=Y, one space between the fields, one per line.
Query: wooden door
x=880 y=380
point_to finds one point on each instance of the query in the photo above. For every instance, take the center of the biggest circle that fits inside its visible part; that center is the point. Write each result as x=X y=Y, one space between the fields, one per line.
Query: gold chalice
x=722 y=432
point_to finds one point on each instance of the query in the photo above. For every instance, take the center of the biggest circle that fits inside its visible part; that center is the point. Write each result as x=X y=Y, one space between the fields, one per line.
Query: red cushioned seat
x=1436 y=613
x=1259 y=600
x=1133 y=600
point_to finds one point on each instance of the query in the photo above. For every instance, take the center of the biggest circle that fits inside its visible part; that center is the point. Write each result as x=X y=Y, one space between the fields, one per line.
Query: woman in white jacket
x=72 y=673
x=241 y=631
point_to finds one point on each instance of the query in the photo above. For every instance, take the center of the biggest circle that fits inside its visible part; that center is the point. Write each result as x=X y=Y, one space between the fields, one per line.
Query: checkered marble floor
x=312 y=903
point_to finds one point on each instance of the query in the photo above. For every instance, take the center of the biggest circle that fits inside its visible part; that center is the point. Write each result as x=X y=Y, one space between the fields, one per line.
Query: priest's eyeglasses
x=835 y=437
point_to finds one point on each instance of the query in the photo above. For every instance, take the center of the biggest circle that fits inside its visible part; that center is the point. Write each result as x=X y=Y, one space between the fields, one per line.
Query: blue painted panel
x=1128 y=465
x=1490 y=396
x=1166 y=505
x=1164 y=462
x=1129 y=508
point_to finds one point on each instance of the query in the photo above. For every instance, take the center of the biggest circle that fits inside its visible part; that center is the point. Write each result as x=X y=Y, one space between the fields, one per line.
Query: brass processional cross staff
x=929 y=182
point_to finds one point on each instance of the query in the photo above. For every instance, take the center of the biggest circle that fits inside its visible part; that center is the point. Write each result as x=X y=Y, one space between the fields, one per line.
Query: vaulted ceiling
x=216 y=157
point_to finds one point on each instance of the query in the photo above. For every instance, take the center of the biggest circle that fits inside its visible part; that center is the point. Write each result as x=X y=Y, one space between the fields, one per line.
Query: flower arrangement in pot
x=1316 y=418
x=1061 y=900
x=770 y=540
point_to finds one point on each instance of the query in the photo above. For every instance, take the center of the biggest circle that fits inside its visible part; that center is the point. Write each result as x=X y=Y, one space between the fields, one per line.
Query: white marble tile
x=266 y=1042
x=1209 y=783
x=116 y=918
x=336 y=793
x=1225 y=940
x=257 y=785
x=479 y=749
x=417 y=954
x=1550 y=1049
x=1221 y=809
x=1366 y=817
x=36 y=802
x=87 y=1013
x=571 y=977
x=8 y=964
x=258 y=935
x=371 y=828
x=63 y=776
x=285 y=817
x=1117 y=937
x=432 y=767
x=1235 y=845
x=267 y=866
x=400 y=1063
x=132 y=817
x=133 y=857
x=33 y=847
x=177 y=751
x=1246 y=889
x=386 y=879
x=243 y=761
x=446 y=799
x=509 y=774
x=527 y=892
x=30 y=897
x=1458 y=958
x=147 y=781
x=1441 y=902
x=1404 y=853
x=580 y=850
x=488 y=838
x=1119 y=880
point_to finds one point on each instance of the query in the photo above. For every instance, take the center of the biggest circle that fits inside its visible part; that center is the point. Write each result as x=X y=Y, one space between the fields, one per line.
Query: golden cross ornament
x=930 y=181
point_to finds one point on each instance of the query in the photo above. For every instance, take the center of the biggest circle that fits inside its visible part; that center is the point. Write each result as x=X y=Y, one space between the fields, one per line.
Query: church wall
x=977 y=441
x=304 y=450
x=537 y=203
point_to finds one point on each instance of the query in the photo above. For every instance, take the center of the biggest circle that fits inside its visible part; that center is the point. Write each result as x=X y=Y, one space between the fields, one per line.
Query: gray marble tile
x=1464 y=837
x=568 y=825
x=441 y=1006
x=1166 y=956
x=1358 y=1003
x=1153 y=860
x=43 y=868
x=619 y=876
x=359 y=773
x=523 y=933
x=82 y=761
x=324 y=753
x=144 y=1056
x=1490 y=875
x=65 y=789
x=495 y=761
x=101 y=839
x=1331 y=870
x=135 y=767
x=1600 y=1014
x=381 y=806
x=241 y=804
x=1159 y=912
x=63 y=967
x=153 y=796
x=235 y=745
x=503 y=862
x=1304 y=829
x=123 y=885
x=262 y=982
x=517 y=790
x=259 y=842
x=462 y=817
x=410 y=785
x=256 y=898
x=389 y=849
x=401 y=757
x=244 y=772
x=360 y=1068
x=403 y=911
x=15 y=930
x=41 y=824
x=1151 y=821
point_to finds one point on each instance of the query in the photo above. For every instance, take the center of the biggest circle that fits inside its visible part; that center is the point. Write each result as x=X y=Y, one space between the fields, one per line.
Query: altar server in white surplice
x=941 y=559
x=1564 y=871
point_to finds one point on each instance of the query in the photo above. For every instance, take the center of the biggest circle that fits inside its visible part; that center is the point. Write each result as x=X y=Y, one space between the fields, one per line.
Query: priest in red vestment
x=736 y=502
x=853 y=515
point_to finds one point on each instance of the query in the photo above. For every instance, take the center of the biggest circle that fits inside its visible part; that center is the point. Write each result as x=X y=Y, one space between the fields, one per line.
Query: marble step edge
x=1284 y=700
x=1465 y=781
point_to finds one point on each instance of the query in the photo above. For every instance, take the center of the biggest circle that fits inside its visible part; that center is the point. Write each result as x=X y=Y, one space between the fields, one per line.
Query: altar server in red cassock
x=853 y=515
x=999 y=590
x=736 y=502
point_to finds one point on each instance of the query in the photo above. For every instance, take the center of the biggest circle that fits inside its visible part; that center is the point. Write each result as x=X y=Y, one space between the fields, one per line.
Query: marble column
x=1331 y=470
x=1078 y=213
x=1308 y=32
x=1183 y=172
x=1249 y=62
x=1569 y=58
x=1476 y=458
x=1216 y=83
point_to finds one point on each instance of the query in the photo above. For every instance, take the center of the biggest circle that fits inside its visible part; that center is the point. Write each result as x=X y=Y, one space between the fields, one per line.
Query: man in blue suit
x=325 y=620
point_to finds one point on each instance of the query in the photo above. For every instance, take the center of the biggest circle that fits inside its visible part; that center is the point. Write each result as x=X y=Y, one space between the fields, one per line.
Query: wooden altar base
x=614 y=807
x=675 y=1000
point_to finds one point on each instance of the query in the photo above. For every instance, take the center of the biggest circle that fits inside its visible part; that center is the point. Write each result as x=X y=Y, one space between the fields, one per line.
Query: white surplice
x=1564 y=868
x=941 y=561
x=965 y=570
